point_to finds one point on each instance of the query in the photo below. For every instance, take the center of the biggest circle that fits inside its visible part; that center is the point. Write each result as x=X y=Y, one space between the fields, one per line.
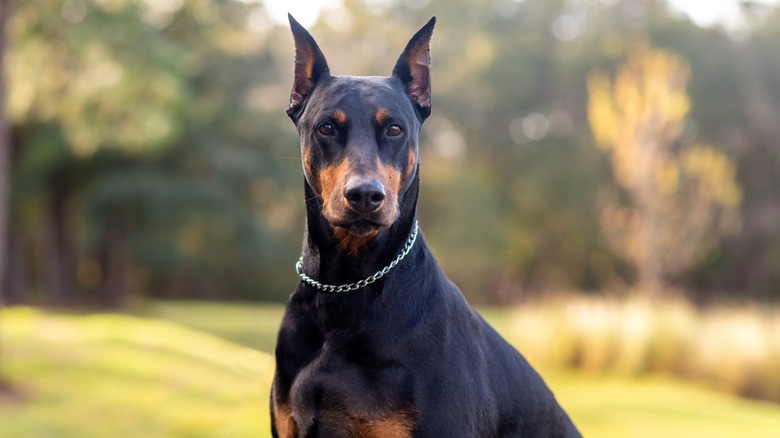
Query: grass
x=649 y=407
x=249 y=324
x=116 y=375
x=162 y=375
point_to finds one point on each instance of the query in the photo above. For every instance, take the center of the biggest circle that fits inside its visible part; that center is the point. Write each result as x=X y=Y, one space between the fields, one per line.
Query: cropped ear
x=310 y=66
x=413 y=69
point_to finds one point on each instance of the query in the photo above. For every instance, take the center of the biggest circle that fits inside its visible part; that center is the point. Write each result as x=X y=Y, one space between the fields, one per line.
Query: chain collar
x=364 y=282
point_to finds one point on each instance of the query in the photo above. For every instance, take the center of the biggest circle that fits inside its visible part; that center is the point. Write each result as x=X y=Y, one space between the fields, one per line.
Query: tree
x=87 y=77
x=5 y=167
x=5 y=147
x=142 y=133
x=682 y=198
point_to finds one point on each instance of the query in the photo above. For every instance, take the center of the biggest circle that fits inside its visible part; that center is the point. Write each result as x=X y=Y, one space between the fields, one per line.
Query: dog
x=376 y=341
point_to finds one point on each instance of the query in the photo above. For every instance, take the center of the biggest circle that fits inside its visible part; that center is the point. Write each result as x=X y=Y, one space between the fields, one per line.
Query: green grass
x=118 y=375
x=249 y=324
x=605 y=406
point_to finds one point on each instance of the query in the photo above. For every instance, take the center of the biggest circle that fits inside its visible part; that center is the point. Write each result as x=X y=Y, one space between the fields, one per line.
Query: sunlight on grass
x=646 y=407
x=114 y=375
x=250 y=324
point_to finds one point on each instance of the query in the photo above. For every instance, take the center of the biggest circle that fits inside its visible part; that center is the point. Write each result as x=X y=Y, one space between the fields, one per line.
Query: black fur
x=405 y=356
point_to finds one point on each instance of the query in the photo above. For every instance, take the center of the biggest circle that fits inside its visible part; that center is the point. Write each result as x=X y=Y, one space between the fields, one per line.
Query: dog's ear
x=413 y=69
x=310 y=66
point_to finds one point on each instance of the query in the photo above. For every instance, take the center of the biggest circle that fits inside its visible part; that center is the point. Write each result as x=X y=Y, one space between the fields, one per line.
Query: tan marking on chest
x=284 y=422
x=396 y=425
x=382 y=116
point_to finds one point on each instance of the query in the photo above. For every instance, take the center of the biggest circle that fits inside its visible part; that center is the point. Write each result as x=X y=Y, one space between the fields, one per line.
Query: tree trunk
x=650 y=267
x=5 y=148
x=59 y=268
x=114 y=263
x=16 y=272
x=5 y=167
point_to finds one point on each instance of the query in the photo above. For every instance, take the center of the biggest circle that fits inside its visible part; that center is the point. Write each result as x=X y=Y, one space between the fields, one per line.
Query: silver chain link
x=364 y=282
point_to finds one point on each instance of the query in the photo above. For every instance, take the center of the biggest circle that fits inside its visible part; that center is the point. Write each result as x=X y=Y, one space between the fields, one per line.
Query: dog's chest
x=338 y=392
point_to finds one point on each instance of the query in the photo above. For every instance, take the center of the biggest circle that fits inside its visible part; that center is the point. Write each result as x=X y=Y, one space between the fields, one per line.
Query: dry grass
x=736 y=349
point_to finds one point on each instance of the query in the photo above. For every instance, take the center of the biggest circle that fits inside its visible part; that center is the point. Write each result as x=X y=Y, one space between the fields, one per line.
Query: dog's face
x=359 y=134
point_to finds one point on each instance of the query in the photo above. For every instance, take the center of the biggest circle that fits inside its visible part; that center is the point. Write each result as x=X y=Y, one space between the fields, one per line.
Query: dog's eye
x=325 y=129
x=394 y=130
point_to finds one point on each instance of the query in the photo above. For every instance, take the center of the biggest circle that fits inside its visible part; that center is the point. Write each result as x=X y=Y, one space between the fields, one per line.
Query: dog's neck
x=326 y=261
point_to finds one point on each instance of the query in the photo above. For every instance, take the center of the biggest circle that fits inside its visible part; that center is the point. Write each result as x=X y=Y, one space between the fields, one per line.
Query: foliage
x=682 y=197
x=152 y=157
x=61 y=72
x=147 y=180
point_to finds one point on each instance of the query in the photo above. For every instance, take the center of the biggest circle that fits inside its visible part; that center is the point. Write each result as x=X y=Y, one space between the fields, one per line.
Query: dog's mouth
x=362 y=227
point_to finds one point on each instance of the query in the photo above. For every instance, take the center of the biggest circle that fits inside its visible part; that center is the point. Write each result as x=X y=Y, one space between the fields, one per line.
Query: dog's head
x=359 y=134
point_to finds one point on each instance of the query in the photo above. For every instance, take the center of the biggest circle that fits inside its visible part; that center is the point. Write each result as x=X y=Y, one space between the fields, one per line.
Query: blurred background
x=601 y=177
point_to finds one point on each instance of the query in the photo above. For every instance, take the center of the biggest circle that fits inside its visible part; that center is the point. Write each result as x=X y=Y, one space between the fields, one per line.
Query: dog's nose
x=364 y=195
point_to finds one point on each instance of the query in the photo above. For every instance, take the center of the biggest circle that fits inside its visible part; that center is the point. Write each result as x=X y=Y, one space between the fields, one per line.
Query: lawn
x=195 y=369
x=121 y=376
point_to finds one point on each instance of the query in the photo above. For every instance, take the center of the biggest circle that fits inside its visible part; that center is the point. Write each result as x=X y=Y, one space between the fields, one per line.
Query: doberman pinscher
x=376 y=342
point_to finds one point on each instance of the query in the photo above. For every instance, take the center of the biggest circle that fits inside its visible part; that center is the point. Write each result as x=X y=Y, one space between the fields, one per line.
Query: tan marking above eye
x=382 y=116
x=339 y=117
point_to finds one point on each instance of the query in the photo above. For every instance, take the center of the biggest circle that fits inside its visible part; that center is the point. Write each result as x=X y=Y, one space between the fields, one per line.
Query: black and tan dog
x=376 y=341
